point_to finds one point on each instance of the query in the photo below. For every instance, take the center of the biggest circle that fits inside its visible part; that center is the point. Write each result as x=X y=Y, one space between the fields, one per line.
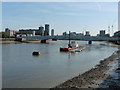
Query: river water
x=20 y=69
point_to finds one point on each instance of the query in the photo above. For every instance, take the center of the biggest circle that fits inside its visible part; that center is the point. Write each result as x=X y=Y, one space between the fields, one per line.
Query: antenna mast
x=108 y=29
x=69 y=37
x=112 y=30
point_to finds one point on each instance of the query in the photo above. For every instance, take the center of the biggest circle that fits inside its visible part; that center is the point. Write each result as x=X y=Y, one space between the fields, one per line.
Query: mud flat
x=32 y=41
x=8 y=41
x=13 y=41
x=98 y=77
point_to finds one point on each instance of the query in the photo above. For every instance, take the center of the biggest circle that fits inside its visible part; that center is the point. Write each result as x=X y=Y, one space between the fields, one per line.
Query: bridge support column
x=89 y=42
x=46 y=41
x=43 y=41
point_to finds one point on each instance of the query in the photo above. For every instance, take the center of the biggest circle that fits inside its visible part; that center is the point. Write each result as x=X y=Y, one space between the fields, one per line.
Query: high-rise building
x=64 y=33
x=102 y=32
x=46 y=32
x=33 y=33
x=10 y=32
x=52 y=32
x=87 y=33
x=117 y=34
x=41 y=30
x=80 y=34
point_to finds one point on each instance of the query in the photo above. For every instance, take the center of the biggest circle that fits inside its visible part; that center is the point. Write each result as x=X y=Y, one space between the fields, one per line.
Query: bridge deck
x=85 y=38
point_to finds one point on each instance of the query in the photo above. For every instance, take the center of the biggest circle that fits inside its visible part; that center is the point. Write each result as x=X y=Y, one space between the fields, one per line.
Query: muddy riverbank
x=13 y=41
x=95 y=77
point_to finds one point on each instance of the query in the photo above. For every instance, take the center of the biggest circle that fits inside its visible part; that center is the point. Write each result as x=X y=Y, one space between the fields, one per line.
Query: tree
x=5 y=35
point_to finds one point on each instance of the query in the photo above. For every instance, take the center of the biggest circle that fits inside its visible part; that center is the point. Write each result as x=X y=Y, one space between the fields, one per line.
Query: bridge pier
x=54 y=39
x=89 y=42
x=43 y=41
x=46 y=41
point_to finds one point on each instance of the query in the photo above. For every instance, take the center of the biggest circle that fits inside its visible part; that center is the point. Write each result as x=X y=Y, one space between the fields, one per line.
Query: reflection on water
x=52 y=67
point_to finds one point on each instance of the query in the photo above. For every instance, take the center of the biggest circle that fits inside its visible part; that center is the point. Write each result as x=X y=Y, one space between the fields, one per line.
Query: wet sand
x=98 y=77
x=9 y=42
x=12 y=41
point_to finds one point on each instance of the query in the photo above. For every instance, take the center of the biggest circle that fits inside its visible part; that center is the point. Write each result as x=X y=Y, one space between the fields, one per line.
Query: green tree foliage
x=4 y=35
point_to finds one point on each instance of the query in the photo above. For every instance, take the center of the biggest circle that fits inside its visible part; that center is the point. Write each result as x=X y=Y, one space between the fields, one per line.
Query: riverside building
x=46 y=32
x=117 y=34
x=103 y=34
x=40 y=31
x=52 y=32
x=87 y=33
x=30 y=31
x=11 y=33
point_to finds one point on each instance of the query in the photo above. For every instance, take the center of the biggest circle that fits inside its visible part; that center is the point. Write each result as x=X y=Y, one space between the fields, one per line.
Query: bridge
x=84 y=38
x=43 y=39
x=38 y=37
x=91 y=38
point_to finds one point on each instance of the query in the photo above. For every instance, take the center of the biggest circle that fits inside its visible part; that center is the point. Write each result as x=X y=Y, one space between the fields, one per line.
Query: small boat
x=36 y=53
x=72 y=46
x=73 y=49
x=64 y=49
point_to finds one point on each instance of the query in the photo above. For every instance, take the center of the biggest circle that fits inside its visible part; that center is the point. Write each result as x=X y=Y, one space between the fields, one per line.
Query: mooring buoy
x=36 y=53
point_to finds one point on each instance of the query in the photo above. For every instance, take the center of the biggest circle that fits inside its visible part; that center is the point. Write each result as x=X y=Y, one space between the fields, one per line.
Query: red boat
x=65 y=49
x=71 y=46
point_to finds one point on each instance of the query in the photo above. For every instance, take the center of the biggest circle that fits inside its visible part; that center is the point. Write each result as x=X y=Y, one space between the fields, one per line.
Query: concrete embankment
x=7 y=40
x=14 y=41
x=96 y=77
x=22 y=40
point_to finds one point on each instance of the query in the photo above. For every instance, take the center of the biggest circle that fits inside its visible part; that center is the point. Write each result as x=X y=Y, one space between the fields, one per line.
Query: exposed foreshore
x=101 y=76
x=13 y=41
x=7 y=41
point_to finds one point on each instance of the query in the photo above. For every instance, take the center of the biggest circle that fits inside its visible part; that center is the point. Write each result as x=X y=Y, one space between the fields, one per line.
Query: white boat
x=72 y=46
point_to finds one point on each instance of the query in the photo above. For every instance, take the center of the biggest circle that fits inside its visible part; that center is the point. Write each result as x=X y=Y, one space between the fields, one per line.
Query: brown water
x=23 y=70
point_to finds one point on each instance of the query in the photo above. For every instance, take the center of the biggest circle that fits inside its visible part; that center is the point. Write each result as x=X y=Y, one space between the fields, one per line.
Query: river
x=20 y=69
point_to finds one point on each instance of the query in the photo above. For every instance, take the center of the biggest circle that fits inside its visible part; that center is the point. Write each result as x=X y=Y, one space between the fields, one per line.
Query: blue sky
x=62 y=16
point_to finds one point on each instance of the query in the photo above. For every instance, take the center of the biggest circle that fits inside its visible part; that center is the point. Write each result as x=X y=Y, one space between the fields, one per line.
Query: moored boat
x=64 y=49
x=72 y=46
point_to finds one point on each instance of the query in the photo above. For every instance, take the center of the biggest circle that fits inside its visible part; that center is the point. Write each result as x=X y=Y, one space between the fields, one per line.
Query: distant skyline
x=62 y=16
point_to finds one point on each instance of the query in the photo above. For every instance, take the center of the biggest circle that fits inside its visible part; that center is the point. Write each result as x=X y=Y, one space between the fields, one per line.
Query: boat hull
x=65 y=49
x=75 y=49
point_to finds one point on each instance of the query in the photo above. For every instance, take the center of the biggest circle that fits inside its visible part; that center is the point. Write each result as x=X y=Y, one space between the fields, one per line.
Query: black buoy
x=36 y=53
